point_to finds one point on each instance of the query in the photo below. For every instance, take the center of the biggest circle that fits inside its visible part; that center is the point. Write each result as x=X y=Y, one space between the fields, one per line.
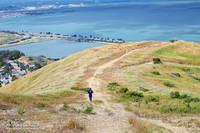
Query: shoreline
x=28 y=38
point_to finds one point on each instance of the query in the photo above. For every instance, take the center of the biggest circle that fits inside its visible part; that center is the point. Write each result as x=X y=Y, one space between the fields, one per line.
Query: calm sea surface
x=53 y=49
x=130 y=21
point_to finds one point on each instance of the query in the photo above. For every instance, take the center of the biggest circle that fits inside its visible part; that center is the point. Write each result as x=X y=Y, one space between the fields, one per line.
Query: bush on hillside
x=123 y=90
x=152 y=99
x=169 y=84
x=113 y=85
x=192 y=99
x=144 y=89
x=14 y=78
x=175 y=75
x=88 y=110
x=21 y=111
x=132 y=94
x=80 y=89
x=172 y=41
x=40 y=105
x=175 y=94
x=155 y=73
x=186 y=69
x=157 y=61
x=183 y=96
x=185 y=108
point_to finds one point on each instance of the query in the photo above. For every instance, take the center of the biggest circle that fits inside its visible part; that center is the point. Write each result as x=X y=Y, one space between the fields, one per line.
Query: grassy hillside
x=65 y=73
x=178 y=57
x=157 y=82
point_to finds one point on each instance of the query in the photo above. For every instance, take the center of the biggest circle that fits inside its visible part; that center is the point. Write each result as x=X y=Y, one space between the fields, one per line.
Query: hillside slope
x=140 y=87
x=75 y=69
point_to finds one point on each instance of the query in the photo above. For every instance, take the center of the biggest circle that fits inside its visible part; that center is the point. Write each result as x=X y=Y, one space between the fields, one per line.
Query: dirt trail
x=112 y=118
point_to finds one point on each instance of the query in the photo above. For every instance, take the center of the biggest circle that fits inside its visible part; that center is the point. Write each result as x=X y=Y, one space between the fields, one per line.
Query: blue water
x=53 y=49
x=132 y=20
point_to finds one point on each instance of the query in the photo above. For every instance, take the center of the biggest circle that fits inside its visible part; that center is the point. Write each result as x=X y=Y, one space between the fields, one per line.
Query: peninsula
x=12 y=38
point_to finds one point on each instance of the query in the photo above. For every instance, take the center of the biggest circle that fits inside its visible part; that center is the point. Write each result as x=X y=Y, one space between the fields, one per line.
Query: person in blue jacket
x=90 y=93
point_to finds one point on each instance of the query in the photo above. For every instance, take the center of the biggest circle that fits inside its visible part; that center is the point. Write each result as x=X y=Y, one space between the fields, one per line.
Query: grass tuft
x=80 y=89
x=88 y=110
x=21 y=111
x=169 y=84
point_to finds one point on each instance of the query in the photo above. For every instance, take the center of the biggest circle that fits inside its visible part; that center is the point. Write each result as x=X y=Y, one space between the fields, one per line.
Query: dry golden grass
x=140 y=126
x=75 y=69
x=72 y=126
x=27 y=60
x=63 y=74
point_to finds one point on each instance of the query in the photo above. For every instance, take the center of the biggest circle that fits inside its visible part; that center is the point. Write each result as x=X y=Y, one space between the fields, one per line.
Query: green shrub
x=175 y=94
x=14 y=78
x=183 y=96
x=136 y=99
x=21 y=111
x=169 y=84
x=152 y=99
x=88 y=110
x=186 y=69
x=80 y=89
x=192 y=99
x=40 y=105
x=196 y=78
x=157 y=61
x=123 y=90
x=144 y=89
x=155 y=73
x=113 y=85
x=132 y=94
x=65 y=106
x=165 y=109
x=172 y=41
x=175 y=75
x=185 y=108
x=72 y=109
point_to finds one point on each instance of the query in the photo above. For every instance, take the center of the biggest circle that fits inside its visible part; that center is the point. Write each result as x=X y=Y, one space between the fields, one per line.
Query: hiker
x=90 y=92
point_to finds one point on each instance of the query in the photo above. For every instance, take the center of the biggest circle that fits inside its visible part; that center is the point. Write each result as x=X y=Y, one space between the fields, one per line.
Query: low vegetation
x=172 y=103
x=21 y=111
x=155 y=73
x=172 y=41
x=143 y=89
x=140 y=126
x=157 y=61
x=39 y=101
x=113 y=85
x=169 y=84
x=73 y=125
x=80 y=89
x=67 y=107
x=88 y=110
